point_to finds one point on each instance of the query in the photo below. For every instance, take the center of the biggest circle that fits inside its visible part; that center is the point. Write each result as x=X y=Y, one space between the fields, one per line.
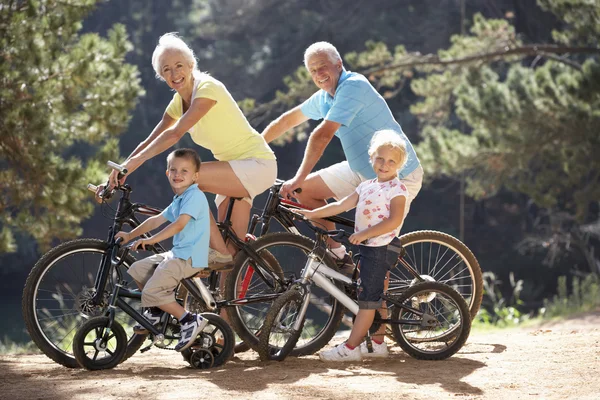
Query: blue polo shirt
x=192 y=240
x=361 y=111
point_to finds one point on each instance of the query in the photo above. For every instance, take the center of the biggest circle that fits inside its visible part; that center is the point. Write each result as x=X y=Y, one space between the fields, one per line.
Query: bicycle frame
x=316 y=271
x=125 y=215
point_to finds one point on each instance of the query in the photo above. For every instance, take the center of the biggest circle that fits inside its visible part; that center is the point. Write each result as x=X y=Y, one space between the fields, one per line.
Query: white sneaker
x=341 y=353
x=217 y=260
x=379 y=350
x=189 y=331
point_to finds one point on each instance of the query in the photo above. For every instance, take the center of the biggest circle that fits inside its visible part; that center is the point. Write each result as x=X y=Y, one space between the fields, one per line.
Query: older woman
x=202 y=106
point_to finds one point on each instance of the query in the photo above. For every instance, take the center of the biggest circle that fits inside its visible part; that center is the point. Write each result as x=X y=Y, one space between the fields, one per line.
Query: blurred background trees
x=500 y=96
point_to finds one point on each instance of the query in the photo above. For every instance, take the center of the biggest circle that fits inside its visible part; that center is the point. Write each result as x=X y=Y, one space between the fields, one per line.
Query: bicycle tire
x=454 y=257
x=59 y=348
x=278 y=322
x=324 y=312
x=433 y=298
x=117 y=341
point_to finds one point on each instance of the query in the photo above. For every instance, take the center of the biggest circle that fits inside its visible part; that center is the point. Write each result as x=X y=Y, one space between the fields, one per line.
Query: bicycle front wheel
x=57 y=294
x=324 y=312
x=439 y=257
x=279 y=334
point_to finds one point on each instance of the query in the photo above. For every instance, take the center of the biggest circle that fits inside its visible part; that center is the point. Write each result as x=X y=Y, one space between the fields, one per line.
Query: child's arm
x=397 y=205
x=169 y=231
x=146 y=226
x=335 y=208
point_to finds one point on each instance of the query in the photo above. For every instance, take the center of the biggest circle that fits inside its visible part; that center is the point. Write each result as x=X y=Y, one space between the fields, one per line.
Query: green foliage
x=582 y=17
x=584 y=297
x=9 y=346
x=64 y=98
x=498 y=310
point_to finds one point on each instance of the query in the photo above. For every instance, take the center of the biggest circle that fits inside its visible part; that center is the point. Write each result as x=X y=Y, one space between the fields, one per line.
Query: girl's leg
x=361 y=326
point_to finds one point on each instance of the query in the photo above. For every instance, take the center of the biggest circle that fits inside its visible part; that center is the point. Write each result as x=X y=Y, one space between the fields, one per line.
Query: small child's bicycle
x=429 y=320
x=101 y=342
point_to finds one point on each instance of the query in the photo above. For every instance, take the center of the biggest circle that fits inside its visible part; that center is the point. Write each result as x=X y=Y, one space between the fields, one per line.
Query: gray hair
x=172 y=41
x=322 y=47
x=390 y=138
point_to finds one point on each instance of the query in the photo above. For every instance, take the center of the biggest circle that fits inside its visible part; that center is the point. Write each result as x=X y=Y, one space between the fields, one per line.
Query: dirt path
x=552 y=361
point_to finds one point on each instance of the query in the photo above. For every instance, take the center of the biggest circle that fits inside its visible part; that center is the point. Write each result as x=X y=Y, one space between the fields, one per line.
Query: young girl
x=380 y=209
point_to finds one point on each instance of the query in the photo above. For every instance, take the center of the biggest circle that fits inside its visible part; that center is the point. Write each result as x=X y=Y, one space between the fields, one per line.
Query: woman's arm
x=198 y=109
x=387 y=225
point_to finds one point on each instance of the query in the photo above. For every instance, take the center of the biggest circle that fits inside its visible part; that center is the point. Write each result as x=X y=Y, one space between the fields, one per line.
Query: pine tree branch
x=418 y=59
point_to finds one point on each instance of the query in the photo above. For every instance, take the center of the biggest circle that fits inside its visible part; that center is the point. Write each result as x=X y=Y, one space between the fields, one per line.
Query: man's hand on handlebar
x=289 y=188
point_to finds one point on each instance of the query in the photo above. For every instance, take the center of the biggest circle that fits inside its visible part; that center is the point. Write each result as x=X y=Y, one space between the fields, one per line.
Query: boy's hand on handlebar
x=357 y=238
x=141 y=243
x=126 y=236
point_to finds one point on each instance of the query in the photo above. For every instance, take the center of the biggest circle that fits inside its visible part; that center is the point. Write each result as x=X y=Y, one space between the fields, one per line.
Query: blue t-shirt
x=361 y=111
x=192 y=240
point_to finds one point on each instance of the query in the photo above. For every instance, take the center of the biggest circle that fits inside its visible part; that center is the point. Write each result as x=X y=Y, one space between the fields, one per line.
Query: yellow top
x=224 y=129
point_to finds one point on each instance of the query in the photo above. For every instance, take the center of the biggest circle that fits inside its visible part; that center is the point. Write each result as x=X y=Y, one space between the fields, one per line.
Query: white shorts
x=256 y=175
x=342 y=181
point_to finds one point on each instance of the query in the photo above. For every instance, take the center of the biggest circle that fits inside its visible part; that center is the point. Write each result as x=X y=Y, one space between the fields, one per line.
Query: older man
x=352 y=110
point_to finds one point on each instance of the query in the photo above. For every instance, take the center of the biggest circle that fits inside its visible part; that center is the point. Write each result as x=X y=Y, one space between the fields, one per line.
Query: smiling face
x=325 y=74
x=176 y=70
x=386 y=162
x=182 y=174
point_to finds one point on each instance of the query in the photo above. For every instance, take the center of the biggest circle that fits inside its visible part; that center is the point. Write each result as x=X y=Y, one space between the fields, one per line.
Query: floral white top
x=374 y=206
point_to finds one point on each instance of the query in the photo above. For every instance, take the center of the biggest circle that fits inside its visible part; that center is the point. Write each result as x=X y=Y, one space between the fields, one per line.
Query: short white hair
x=172 y=41
x=389 y=138
x=322 y=47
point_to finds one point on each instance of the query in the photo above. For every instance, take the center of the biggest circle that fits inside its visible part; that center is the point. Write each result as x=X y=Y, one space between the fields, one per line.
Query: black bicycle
x=101 y=342
x=73 y=282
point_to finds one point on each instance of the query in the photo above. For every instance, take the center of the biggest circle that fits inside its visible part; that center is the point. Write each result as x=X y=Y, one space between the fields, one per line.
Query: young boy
x=380 y=208
x=188 y=215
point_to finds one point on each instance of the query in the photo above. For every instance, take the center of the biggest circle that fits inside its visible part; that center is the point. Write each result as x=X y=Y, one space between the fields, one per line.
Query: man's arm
x=284 y=123
x=317 y=142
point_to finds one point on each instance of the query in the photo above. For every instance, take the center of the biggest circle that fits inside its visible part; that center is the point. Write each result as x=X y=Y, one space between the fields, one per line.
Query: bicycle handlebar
x=107 y=193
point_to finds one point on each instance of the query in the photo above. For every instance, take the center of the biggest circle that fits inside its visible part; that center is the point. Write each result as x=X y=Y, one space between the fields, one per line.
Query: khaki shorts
x=256 y=175
x=160 y=281
x=342 y=181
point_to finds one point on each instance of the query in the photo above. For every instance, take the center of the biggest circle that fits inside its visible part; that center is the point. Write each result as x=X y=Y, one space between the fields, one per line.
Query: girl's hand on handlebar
x=308 y=214
x=357 y=238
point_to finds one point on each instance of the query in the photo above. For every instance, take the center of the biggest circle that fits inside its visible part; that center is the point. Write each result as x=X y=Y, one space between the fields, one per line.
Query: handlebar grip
x=92 y=188
x=117 y=167
x=119 y=240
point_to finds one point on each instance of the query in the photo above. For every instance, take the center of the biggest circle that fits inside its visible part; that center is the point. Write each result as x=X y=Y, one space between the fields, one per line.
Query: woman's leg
x=218 y=177
x=239 y=219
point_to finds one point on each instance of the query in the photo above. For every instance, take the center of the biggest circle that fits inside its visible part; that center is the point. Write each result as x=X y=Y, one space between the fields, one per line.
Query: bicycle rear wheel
x=323 y=315
x=443 y=327
x=57 y=294
x=439 y=257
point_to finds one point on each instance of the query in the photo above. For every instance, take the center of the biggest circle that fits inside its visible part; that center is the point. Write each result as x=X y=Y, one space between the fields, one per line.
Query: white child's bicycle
x=429 y=320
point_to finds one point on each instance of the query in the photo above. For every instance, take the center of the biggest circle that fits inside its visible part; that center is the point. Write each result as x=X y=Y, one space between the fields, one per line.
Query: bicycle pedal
x=157 y=339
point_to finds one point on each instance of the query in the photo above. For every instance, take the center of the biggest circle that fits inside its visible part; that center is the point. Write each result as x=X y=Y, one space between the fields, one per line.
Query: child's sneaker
x=217 y=260
x=341 y=353
x=152 y=314
x=345 y=264
x=189 y=331
x=380 y=350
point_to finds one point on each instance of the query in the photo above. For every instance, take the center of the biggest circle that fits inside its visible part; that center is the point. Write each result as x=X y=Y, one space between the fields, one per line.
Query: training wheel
x=202 y=359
